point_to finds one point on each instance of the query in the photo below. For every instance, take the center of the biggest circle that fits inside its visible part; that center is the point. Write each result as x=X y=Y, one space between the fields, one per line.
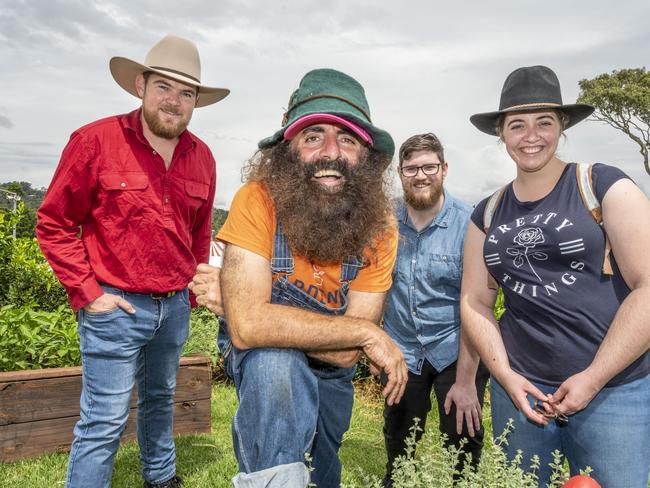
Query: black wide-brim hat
x=528 y=89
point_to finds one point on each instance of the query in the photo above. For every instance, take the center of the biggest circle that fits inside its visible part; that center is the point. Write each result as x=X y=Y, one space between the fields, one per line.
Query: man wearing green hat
x=311 y=247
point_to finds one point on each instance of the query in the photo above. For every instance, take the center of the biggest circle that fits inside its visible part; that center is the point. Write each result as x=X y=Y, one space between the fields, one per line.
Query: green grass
x=203 y=460
x=207 y=460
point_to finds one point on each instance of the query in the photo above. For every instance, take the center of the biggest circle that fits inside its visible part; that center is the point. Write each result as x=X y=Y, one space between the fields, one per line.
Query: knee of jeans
x=158 y=386
x=279 y=375
x=105 y=425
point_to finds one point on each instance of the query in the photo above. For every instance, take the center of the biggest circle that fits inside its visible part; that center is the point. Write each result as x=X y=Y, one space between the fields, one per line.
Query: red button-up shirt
x=114 y=214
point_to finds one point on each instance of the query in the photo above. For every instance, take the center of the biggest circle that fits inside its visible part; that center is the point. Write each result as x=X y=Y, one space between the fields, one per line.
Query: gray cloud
x=40 y=154
x=5 y=122
x=425 y=66
x=28 y=161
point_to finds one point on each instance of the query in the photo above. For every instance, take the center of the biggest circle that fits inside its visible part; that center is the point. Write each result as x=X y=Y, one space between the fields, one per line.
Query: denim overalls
x=289 y=405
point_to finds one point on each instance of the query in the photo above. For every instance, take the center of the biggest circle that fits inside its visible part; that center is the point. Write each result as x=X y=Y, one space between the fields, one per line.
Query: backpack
x=585 y=186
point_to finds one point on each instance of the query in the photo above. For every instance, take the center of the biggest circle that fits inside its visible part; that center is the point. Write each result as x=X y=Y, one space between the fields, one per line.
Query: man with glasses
x=422 y=309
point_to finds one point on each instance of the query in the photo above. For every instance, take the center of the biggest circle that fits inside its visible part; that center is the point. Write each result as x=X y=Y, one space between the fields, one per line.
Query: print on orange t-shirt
x=251 y=225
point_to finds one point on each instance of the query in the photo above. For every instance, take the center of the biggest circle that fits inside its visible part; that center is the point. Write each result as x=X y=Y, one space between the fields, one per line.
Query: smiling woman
x=572 y=326
x=531 y=138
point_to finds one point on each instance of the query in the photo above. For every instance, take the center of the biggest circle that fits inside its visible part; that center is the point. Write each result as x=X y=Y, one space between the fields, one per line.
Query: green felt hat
x=327 y=91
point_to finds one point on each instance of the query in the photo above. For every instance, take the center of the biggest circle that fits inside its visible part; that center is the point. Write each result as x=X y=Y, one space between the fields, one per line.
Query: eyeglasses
x=558 y=417
x=427 y=169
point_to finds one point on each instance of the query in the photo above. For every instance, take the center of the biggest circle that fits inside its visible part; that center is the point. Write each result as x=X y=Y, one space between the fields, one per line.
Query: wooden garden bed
x=38 y=408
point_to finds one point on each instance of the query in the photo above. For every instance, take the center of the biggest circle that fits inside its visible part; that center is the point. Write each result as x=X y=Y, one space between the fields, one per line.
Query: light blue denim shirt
x=422 y=309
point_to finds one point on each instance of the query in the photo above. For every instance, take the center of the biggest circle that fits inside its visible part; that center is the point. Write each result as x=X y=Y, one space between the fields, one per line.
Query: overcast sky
x=425 y=65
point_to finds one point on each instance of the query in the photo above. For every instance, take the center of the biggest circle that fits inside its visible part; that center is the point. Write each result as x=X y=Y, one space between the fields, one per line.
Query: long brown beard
x=421 y=202
x=321 y=225
x=156 y=126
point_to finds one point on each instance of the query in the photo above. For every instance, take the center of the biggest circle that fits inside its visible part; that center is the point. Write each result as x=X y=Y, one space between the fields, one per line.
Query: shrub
x=25 y=276
x=499 y=305
x=434 y=465
x=204 y=326
x=32 y=339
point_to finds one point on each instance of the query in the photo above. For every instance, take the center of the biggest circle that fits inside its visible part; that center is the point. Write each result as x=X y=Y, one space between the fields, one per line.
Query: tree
x=26 y=226
x=219 y=216
x=30 y=197
x=33 y=197
x=622 y=100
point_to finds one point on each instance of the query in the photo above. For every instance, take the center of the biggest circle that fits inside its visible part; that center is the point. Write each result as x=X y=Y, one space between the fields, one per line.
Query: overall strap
x=282 y=260
x=586 y=187
x=488 y=214
x=350 y=269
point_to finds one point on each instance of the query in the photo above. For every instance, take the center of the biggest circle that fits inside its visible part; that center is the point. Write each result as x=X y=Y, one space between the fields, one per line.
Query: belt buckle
x=160 y=296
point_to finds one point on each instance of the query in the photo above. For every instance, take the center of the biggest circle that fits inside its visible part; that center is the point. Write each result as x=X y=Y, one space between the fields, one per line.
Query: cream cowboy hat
x=172 y=57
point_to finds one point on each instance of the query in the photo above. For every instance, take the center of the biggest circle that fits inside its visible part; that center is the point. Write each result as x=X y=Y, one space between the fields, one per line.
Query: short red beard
x=160 y=129
x=419 y=201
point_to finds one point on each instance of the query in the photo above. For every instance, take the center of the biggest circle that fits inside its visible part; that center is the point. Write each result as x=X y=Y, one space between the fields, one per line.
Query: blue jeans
x=287 y=409
x=612 y=435
x=117 y=349
x=289 y=406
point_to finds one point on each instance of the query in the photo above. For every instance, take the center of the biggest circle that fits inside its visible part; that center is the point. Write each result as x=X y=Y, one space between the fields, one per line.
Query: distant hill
x=31 y=196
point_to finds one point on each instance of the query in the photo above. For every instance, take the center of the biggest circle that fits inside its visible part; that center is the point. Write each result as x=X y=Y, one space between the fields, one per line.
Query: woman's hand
x=575 y=393
x=519 y=388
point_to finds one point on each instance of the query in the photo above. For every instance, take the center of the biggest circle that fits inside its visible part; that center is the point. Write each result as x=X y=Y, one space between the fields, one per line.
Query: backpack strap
x=488 y=214
x=586 y=187
x=491 y=207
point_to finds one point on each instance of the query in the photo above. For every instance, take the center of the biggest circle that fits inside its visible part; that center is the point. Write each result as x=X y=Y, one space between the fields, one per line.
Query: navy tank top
x=547 y=256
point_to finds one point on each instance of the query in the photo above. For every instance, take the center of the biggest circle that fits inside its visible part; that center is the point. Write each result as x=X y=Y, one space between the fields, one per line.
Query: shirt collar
x=441 y=220
x=133 y=122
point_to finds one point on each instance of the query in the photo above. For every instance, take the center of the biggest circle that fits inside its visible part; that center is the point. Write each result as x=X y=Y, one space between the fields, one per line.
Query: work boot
x=175 y=482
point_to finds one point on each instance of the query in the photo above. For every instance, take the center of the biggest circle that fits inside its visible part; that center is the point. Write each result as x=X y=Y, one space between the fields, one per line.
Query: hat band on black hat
x=528 y=105
x=285 y=117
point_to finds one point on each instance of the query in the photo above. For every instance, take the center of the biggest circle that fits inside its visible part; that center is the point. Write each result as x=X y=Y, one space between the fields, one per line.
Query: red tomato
x=581 y=481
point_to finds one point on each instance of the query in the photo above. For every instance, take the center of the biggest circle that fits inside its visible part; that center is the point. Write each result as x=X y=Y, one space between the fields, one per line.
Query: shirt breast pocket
x=196 y=196
x=124 y=195
x=444 y=269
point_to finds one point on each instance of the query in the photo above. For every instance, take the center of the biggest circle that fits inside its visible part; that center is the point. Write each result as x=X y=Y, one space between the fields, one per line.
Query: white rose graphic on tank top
x=527 y=239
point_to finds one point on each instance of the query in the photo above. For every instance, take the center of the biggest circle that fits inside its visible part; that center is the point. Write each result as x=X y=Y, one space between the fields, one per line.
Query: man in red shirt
x=125 y=221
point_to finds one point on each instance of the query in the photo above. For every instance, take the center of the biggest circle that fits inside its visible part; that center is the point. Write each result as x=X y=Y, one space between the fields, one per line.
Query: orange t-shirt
x=251 y=225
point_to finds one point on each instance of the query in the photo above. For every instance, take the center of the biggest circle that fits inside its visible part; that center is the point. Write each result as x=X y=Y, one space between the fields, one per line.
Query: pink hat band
x=312 y=119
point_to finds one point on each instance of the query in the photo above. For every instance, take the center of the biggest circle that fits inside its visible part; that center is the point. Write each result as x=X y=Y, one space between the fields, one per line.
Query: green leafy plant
x=25 y=276
x=204 y=326
x=32 y=339
x=622 y=100
x=430 y=463
x=499 y=305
